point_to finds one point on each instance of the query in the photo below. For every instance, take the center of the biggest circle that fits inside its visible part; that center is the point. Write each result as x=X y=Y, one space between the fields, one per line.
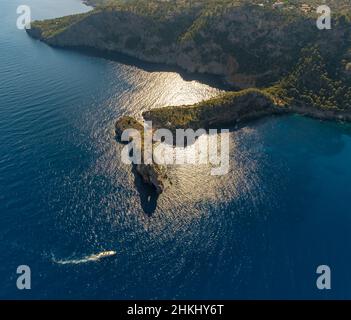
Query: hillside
x=279 y=53
x=249 y=45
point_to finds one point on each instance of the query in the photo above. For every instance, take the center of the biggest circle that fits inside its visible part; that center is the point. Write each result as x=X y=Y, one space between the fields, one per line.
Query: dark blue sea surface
x=258 y=232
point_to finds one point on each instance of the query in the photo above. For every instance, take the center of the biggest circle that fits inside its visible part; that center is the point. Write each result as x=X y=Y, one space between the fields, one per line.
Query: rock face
x=125 y=123
x=246 y=44
x=152 y=174
x=233 y=108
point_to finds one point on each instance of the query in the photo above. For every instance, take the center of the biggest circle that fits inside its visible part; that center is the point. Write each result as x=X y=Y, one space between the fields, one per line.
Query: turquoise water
x=258 y=232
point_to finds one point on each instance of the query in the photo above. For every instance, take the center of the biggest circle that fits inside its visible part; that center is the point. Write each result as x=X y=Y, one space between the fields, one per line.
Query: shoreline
x=323 y=115
x=134 y=34
x=233 y=107
x=242 y=109
x=213 y=80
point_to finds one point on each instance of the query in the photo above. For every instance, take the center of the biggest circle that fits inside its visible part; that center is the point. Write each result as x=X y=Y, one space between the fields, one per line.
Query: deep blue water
x=258 y=232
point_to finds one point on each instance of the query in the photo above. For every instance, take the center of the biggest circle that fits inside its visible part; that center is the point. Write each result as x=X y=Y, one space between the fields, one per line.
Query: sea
x=88 y=228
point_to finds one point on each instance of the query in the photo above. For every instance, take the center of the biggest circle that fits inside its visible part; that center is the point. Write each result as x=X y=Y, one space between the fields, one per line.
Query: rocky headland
x=275 y=59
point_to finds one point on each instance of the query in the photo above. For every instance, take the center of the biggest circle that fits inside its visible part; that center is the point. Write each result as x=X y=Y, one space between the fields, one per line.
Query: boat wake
x=90 y=258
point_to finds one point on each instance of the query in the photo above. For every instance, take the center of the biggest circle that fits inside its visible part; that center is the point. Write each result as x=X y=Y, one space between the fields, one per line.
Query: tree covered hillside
x=249 y=43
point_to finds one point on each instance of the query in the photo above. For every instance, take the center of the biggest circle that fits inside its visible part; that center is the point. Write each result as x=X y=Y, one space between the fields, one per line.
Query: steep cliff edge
x=152 y=174
x=247 y=44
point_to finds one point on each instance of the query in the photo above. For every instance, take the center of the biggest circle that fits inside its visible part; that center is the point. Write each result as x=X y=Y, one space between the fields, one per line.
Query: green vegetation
x=228 y=108
x=293 y=66
x=310 y=84
x=250 y=43
x=152 y=174
x=50 y=28
x=125 y=123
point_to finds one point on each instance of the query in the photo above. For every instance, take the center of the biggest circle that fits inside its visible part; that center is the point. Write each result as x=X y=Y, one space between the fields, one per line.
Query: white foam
x=91 y=258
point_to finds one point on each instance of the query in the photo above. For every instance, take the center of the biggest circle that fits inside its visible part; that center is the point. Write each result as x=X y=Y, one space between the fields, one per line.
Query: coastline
x=228 y=109
x=133 y=58
x=324 y=115
x=212 y=80
x=205 y=78
x=244 y=107
x=140 y=32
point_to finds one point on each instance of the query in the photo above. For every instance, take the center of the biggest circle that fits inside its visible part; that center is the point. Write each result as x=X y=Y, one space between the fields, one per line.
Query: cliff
x=244 y=42
x=295 y=66
x=152 y=174
x=227 y=109
x=232 y=108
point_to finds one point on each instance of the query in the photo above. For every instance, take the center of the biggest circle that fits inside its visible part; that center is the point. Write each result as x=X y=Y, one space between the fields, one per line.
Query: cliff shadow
x=207 y=79
x=147 y=194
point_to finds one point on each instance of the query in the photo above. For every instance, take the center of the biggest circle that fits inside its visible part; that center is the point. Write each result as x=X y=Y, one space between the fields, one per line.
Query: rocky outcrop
x=233 y=108
x=152 y=174
x=227 y=109
x=125 y=123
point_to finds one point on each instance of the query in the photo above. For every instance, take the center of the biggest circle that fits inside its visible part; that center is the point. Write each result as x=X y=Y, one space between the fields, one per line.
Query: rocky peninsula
x=152 y=174
x=227 y=110
x=247 y=43
x=275 y=59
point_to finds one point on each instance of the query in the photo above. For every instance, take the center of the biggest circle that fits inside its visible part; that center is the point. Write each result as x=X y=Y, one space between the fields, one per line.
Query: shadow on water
x=148 y=195
x=207 y=79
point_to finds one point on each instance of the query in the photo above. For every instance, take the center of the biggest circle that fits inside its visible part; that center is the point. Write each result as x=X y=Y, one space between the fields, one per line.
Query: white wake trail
x=91 y=258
